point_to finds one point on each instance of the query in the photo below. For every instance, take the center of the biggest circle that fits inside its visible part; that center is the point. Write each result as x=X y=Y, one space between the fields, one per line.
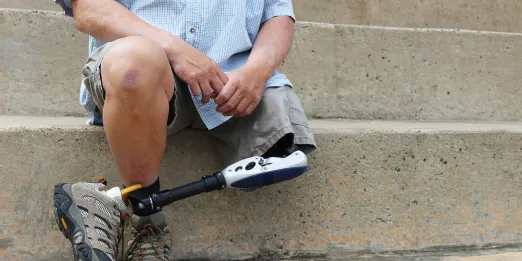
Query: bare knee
x=136 y=67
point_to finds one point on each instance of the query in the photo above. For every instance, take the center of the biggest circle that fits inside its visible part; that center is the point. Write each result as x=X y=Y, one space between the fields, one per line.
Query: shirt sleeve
x=66 y=6
x=275 y=8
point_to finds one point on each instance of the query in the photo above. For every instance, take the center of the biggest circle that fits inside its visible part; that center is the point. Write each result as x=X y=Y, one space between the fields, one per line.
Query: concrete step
x=48 y=5
x=374 y=188
x=339 y=71
x=41 y=60
x=506 y=256
x=484 y=15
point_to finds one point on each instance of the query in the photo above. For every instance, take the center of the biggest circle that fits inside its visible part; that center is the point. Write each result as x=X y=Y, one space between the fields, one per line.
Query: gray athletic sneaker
x=151 y=239
x=89 y=219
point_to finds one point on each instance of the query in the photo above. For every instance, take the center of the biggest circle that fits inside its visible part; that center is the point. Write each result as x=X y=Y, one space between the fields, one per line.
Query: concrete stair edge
x=319 y=125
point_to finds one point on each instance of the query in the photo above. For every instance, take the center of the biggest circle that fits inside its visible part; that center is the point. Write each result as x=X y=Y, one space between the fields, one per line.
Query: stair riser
x=338 y=71
x=482 y=15
x=367 y=191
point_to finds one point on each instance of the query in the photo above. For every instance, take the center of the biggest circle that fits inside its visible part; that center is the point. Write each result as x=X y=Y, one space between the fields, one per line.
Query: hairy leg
x=139 y=84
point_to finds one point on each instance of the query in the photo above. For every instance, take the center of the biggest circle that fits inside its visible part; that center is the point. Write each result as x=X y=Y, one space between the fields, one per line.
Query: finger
x=222 y=76
x=240 y=108
x=231 y=103
x=216 y=85
x=226 y=93
x=206 y=91
x=250 y=108
x=194 y=87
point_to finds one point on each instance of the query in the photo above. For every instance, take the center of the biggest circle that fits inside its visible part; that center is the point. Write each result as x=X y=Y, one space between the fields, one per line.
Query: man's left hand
x=243 y=91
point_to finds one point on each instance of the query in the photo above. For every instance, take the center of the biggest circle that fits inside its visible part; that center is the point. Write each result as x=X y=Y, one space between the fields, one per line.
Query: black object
x=149 y=204
x=250 y=165
x=283 y=147
x=149 y=190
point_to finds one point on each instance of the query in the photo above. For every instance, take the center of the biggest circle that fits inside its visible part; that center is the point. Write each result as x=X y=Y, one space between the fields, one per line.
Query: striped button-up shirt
x=224 y=30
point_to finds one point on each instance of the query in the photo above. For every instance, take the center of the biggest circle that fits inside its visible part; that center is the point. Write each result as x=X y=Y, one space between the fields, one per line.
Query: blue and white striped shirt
x=224 y=30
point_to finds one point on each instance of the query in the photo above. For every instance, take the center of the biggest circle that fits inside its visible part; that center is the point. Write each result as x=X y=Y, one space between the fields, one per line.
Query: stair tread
x=321 y=125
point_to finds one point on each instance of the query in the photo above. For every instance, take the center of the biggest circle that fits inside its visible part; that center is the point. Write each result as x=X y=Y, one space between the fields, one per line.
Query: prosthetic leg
x=283 y=162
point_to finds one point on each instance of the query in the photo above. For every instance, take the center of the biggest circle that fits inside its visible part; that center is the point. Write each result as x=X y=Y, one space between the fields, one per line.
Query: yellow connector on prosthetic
x=126 y=191
x=117 y=193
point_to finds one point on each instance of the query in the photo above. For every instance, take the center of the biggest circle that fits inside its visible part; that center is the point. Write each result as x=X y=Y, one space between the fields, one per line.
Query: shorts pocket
x=296 y=112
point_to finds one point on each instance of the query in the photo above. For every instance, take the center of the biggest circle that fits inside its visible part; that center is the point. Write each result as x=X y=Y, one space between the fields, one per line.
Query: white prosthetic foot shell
x=257 y=172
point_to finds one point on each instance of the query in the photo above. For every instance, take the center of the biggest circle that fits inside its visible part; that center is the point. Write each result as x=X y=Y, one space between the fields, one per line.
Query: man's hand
x=245 y=86
x=243 y=91
x=200 y=72
x=109 y=20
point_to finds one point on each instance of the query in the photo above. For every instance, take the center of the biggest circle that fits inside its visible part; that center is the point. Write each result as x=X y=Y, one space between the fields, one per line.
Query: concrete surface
x=497 y=257
x=485 y=15
x=30 y=4
x=474 y=255
x=332 y=126
x=355 y=72
x=362 y=72
x=40 y=64
x=379 y=188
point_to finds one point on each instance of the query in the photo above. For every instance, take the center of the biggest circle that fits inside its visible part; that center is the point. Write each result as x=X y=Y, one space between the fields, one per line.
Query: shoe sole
x=67 y=224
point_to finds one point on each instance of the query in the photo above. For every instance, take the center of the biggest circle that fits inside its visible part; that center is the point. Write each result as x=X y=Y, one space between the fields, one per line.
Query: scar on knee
x=130 y=79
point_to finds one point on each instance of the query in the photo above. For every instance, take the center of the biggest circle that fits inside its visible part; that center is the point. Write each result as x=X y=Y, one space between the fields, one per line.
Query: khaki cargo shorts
x=279 y=113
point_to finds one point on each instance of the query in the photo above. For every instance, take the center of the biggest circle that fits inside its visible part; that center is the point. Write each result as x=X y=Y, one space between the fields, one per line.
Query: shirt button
x=192 y=30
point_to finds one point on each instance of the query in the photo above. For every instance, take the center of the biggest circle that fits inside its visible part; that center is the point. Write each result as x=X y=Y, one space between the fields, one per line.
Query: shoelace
x=121 y=238
x=118 y=238
x=153 y=235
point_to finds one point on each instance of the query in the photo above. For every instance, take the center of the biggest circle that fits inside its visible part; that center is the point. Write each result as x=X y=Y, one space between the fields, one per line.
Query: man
x=159 y=66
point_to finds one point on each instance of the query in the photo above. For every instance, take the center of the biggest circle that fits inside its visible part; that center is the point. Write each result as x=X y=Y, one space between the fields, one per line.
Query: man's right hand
x=200 y=72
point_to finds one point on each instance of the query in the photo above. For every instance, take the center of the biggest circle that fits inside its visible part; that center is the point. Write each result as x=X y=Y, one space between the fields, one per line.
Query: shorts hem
x=272 y=140
x=300 y=140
